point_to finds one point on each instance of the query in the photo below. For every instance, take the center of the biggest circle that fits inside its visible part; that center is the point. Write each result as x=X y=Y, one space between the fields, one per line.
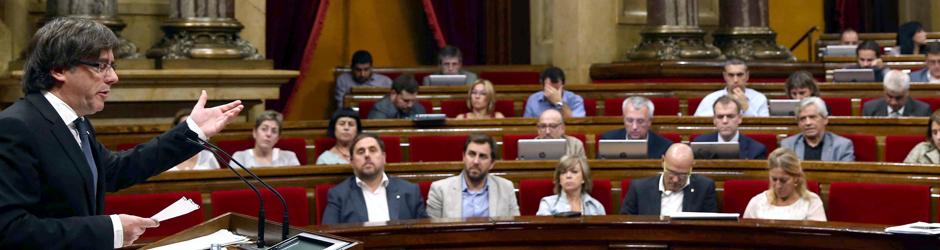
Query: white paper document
x=916 y=228
x=705 y=216
x=180 y=207
x=222 y=237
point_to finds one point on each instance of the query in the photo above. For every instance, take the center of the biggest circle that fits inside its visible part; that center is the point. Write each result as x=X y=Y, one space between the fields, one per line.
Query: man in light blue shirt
x=474 y=192
x=736 y=75
x=554 y=96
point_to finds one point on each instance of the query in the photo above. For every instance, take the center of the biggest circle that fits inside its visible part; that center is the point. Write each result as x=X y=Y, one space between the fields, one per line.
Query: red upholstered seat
x=624 y=188
x=322 y=193
x=392 y=147
x=532 y=191
x=891 y=204
x=419 y=76
x=693 y=105
x=452 y=108
x=366 y=106
x=674 y=137
x=126 y=146
x=511 y=77
x=739 y=192
x=838 y=106
x=511 y=145
x=769 y=140
x=436 y=148
x=933 y=101
x=425 y=189
x=244 y=201
x=898 y=146
x=590 y=107
x=146 y=205
x=663 y=106
x=866 y=147
x=296 y=145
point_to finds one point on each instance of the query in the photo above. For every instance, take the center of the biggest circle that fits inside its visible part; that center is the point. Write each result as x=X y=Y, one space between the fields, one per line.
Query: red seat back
x=245 y=202
x=693 y=105
x=738 y=193
x=436 y=148
x=674 y=137
x=126 y=146
x=866 y=147
x=323 y=144
x=590 y=107
x=425 y=189
x=898 y=146
x=146 y=205
x=507 y=107
x=769 y=140
x=934 y=102
x=511 y=145
x=296 y=145
x=838 y=106
x=602 y=193
x=322 y=194
x=392 y=147
x=511 y=77
x=624 y=188
x=891 y=204
x=532 y=191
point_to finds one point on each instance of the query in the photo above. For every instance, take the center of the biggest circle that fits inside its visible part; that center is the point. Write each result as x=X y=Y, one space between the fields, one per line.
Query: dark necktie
x=84 y=134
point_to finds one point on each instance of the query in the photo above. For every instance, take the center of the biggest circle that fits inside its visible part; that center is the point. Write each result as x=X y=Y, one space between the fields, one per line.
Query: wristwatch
x=559 y=104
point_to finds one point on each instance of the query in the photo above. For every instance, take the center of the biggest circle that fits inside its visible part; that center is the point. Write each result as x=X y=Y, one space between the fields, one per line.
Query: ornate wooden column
x=672 y=33
x=102 y=11
x=744 y=32
x=202 y=29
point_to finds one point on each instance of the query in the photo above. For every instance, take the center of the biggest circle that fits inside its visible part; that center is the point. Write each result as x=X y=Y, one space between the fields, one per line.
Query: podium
x=242 y=225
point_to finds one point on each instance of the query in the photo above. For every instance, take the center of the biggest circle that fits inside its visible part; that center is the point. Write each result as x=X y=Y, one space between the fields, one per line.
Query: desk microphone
x=215 y=150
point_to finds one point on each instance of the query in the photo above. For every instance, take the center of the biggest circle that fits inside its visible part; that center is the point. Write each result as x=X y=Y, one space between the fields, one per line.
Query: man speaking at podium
x=53 y=172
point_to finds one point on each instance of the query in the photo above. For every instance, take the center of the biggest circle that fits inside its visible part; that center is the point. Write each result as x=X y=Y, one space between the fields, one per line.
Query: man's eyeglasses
x=99 y=67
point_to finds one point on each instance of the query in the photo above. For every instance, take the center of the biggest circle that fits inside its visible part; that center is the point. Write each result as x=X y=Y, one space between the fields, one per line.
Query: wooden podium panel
x=622 y=232
x=238 y=224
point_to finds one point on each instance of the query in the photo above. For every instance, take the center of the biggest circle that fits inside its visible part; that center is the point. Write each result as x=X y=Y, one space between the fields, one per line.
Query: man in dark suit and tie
x=637 y=120
x=371 y=195
x=675 y=190
x=897 y=100
x=54 y=172
x=727 y=117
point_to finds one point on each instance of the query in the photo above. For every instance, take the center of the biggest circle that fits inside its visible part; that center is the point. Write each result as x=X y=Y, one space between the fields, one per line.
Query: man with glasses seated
x=675 y=190
x=931 y=73
x=637 y=119
x=736 y=75
x=726 y=120
x=552 y=126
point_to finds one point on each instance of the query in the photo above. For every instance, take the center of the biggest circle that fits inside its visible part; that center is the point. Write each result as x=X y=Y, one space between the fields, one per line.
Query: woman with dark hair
x=203 y=160
x=911 y=39
x=927 y=152
x=344 y=127
x=801 y=84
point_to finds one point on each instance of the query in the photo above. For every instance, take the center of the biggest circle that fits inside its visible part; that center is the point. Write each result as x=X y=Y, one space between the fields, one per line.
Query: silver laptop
x=542 y=149
x=853 y=75
x=841 y=50
x=716 y=150
x=621 y=149
x=447 y=80
x=783 y=107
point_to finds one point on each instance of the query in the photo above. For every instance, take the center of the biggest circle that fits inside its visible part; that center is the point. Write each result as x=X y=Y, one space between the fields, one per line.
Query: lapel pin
x=397 y=196
x=693 y=190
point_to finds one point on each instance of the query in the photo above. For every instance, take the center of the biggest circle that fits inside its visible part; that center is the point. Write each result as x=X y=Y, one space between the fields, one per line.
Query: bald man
x=675 y=190
x=552 y=126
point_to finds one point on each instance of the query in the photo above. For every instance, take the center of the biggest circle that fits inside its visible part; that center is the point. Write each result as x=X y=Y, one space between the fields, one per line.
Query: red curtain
x=289 y=24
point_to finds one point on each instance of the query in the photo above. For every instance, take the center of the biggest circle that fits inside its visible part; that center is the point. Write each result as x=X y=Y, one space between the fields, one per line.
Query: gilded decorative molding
x=673 y=43
x=203 y=38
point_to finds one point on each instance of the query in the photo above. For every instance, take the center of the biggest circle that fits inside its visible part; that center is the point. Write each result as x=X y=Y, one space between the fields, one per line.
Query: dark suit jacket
x=644 y=197
x=920 y=75
x=345 y=203
x=385 y=109
x=749 y=148
x=656 y=145
x=46 y=195
x=879 y=107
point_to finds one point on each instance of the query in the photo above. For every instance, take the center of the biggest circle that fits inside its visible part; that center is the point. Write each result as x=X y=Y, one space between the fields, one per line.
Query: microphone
x=218 y=152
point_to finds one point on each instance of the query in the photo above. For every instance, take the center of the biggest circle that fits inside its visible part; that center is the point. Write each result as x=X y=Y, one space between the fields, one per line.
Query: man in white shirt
x=385 y=197
x=55 y=172
x=736 y=75
x=675 y=190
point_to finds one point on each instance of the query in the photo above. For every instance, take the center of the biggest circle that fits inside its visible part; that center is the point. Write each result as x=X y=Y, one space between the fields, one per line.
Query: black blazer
x=749 y=149
x=656 y=145
x=644 y=197
x=879 y=107
x=345 y=203
x=46 y=194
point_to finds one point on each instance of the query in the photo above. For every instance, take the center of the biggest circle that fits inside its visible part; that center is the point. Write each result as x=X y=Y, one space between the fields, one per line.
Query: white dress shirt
x=756 y=103
x=931 y=79
x=670 y=202
x=376 y=201
x=737 y=134
x=68 y=117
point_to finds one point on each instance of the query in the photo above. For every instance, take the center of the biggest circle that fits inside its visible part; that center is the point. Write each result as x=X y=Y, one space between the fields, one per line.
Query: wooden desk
x=705 y=69
x=622 y=232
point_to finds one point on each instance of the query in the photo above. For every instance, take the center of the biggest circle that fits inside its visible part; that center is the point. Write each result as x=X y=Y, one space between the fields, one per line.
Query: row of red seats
x=848 y=202
x=666 y=106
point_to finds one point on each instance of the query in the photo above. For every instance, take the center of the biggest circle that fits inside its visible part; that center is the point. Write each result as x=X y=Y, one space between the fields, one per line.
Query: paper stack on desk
x=222 y=237
x=180 y=207
x=915 y=228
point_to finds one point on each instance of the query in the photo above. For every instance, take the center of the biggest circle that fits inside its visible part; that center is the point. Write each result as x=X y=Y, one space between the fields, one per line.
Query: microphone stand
x=284 y=223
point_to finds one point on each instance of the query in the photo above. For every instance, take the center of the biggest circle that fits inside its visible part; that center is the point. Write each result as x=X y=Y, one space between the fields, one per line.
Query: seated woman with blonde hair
x=572 y=187
x=787 y=197
x=926 y=152
x=481 y=100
